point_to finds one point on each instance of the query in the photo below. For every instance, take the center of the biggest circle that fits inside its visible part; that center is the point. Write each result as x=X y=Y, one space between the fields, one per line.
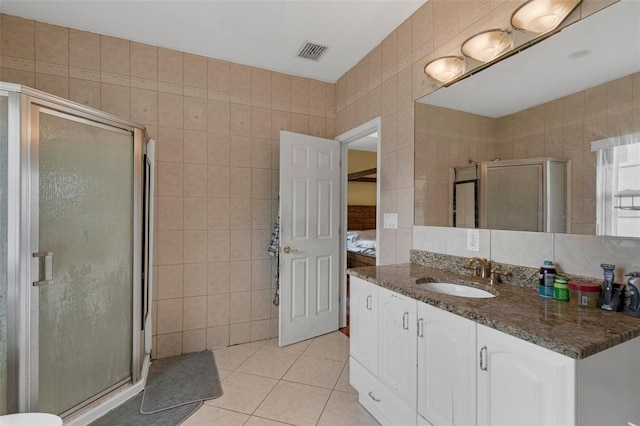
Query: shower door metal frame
x=24 y=104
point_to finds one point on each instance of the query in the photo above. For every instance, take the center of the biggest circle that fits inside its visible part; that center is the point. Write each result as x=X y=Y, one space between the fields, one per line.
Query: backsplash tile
x=430 y=238
x=456 y=243
x=521 y=248
x=583 y=254
x=578 y=256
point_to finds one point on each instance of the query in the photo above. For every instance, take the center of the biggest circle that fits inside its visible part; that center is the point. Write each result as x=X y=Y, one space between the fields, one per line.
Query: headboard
x=361 y=217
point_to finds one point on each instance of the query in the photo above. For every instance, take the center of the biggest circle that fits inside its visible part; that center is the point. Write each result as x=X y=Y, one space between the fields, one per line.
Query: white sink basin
x=456 y=290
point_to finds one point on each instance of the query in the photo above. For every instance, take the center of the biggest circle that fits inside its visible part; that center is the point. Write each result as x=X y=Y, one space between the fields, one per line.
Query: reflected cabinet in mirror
x=574 y=97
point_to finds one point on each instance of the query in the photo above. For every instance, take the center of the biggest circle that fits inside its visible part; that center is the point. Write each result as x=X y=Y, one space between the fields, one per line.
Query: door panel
x=522 y=383
x=397 y=344
x=84 y=187
x=324 y=268
x=309 y=236
x=363 y=340
x=299 y=292
x=446 y=367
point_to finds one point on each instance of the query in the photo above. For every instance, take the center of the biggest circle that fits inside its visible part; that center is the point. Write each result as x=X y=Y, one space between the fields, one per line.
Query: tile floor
x=302 y=384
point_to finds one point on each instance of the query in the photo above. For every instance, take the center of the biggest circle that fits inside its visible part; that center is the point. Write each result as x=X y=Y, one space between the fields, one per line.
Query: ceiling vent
x=311 y=51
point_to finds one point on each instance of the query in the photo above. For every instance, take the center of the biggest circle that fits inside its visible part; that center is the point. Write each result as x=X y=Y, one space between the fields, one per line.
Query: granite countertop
x=573 y=331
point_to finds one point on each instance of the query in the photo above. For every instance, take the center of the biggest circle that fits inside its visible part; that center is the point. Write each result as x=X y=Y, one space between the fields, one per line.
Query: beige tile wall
x=563 y=128
x=445 y=138
x=217 y=126
x=391 y=77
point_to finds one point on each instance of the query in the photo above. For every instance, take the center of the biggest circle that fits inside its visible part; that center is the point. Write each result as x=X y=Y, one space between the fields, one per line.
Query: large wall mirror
x=573 y=97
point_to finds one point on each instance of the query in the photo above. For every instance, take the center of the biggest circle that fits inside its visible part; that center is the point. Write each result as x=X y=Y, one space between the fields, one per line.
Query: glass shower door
x=83 y=175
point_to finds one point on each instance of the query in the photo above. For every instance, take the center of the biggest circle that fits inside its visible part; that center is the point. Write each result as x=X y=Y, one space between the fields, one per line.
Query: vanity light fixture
x=487 y=45
x=542 y=16
x=446 y=68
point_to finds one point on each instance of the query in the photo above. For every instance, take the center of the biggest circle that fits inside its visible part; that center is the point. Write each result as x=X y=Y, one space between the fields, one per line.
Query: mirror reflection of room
x=503 y=113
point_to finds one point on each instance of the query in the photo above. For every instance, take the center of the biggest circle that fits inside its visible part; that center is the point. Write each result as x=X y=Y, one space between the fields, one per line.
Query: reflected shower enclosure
x=76 y=252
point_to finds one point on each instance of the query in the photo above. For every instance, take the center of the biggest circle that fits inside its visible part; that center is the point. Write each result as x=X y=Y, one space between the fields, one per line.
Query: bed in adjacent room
x=361 y=236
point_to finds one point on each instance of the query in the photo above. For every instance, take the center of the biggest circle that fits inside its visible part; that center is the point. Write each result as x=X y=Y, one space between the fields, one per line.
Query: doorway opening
x=360 y=153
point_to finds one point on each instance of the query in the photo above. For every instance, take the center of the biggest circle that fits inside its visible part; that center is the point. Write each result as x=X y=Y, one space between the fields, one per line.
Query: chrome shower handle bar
x=45 y=268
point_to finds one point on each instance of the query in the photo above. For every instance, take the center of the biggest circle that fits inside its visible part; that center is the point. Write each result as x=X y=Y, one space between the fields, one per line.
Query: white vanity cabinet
x=446 y=367
x=415 y=364
x=522 y=383
x=363 y=323
x=397 y=356
x=382 y=398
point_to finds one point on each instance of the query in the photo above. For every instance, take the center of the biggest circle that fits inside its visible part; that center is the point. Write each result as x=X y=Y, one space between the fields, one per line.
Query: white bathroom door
x=309 y=236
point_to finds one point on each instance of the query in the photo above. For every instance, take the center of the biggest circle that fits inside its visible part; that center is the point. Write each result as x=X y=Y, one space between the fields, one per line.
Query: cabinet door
x=397 y=356
x=363 y=317
x=446 y=367
x=522 y=383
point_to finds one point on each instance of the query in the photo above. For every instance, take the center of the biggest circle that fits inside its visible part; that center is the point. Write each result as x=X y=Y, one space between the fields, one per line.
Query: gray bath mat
x=128 y=414
x=180 y=380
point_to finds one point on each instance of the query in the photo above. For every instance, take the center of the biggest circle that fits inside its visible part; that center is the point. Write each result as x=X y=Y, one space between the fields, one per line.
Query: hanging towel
x=274 y=250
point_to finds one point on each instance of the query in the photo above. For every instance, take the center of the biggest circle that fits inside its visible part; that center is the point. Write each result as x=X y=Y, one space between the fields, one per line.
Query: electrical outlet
x=473 y=239
x=391 y=220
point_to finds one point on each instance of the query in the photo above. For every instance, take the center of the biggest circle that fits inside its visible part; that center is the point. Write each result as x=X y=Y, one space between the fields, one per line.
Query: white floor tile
x=259 y=421
x=294 y=403
x=297 y=348
x=315 y=371
x=231 y=357
x=224 y=373
x=213 y=416
x=344 y=409
x=272 y=363
x=258 y=344
x=335 y=335
x=253 y=395
x=328 y=349
x=344 y=384
x=243 y=392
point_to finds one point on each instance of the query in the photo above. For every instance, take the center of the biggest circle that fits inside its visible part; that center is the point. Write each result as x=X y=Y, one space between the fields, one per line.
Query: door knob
x=288 y=250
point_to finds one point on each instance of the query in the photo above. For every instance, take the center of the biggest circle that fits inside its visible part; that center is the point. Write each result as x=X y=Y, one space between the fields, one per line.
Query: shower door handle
x=45 y=268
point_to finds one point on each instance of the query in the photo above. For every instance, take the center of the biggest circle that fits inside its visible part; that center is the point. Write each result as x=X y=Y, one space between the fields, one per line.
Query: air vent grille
x=311 y=51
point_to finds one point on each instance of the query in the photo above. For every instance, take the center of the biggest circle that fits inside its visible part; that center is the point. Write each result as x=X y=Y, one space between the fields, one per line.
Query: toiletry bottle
x=547 y=278
x=561 y=288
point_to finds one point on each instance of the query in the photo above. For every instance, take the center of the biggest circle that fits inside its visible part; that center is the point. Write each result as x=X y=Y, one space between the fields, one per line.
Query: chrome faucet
x=483 y=266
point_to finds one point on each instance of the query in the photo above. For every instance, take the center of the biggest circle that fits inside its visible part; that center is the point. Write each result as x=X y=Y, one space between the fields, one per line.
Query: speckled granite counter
x=567 y=329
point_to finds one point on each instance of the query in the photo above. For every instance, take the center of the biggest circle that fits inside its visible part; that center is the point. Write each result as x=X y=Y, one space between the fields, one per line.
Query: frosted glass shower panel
x=525 y=195
x=86 y=220
x=512 y=196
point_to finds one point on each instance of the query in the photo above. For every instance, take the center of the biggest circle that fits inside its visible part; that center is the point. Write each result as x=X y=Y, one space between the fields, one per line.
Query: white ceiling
x=545 y=71
x=260 y=33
